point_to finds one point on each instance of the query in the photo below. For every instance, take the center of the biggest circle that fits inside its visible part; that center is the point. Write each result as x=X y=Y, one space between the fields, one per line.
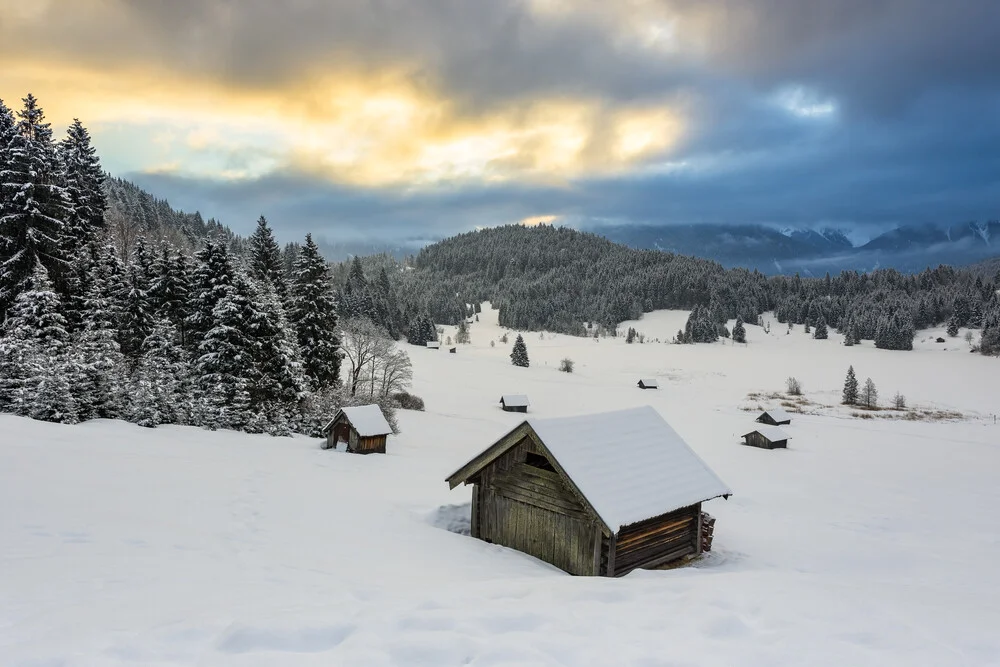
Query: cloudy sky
x=420 y=118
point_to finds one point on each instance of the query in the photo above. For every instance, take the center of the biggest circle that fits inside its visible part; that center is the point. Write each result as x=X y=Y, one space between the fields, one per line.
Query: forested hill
x=558 y=279
x=562 y=280
x=132 y=212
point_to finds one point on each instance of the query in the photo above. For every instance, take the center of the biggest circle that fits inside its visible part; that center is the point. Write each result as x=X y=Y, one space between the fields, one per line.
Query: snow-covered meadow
x=868 y=542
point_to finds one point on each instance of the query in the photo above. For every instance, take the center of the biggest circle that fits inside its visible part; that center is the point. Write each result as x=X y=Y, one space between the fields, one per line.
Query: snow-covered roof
x=772 y=433
x=778 y=415
x=630 y=465
x=649 y=383
x=514 y=400
x=367 y=420
x=434 y=343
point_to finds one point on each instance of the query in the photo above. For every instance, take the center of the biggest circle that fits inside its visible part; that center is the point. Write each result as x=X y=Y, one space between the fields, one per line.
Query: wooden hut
x=599 y=494
x=648 y=384
x=514 y=403
x=362 y=427
x=775 y=417
x=433 y=345
x=452 y=350
x=766 y=437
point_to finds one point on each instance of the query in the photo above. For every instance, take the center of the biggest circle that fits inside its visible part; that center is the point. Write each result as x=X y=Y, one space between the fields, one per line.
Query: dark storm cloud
x=915 y=84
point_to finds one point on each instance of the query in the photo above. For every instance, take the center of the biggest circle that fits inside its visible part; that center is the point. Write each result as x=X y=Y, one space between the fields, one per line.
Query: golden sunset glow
x=365 y=130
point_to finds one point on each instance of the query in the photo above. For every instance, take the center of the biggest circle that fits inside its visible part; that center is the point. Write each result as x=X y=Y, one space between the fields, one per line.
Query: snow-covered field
x=868 y=542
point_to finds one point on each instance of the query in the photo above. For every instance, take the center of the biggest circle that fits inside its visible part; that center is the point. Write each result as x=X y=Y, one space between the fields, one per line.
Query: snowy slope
x=868 y=542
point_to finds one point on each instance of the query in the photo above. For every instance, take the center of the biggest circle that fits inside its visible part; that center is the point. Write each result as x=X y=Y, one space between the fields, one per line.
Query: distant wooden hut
x=766 y=437
x=600 y=494
x=775 y=417
x=452 y=350
x=514 y=403
x=362 y=427
x=648 y=384
x=433 y=345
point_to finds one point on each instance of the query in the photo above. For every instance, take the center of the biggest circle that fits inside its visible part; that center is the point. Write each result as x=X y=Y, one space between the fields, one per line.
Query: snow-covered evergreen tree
x=462 y=335
x=313 y=312
x=35 y=206
x=850 y=394
x=821 y=332
x=953 y=326
x=157 y=387
x=171 y=288
x=519 y=354
x=84 y=187
x=136 y=314
x=37 y=354
x=100 y=391
x=265 y=258
x=210 y=281
x=739 y=331
x=895 y=331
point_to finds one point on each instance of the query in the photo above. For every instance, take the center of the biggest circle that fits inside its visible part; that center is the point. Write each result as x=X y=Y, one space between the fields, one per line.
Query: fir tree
x=136 y=315
x=84 y=186
x=462 y=335
x=35 y=207
x=850 y=395
x=820 y=332
x=210 y=281
x=953 y=326
x=519 y=355
x=102 y=365
x=37 y=354
x=170 y=289
x=739 y=331
x=314 y=315
x=157 y=386
x=265 y=259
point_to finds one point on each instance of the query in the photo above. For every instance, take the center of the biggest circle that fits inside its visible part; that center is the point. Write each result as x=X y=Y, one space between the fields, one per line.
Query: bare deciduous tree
x=361 y=343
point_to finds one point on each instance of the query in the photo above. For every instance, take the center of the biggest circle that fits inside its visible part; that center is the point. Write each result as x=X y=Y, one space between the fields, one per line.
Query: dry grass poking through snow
x=760 y=401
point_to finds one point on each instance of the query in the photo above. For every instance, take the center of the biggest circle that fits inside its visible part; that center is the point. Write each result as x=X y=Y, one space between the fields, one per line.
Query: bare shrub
x=408 y=401
x=793 y=386
x=899 y=401
x=566 y=365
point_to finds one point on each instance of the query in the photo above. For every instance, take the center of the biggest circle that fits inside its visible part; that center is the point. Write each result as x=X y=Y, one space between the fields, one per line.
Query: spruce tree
x=820 y=332
x=225 y=373
x=462 y=335
x=953 y=326
x=100 y=391
x=136 y=314
x=38 y=355
x=739 y=331
x=265 y=258
x=313 y=312
x=35 y=207
x=210 y=281
x=850 y=395
x=84 y=186
x=519 y=355
x=157 y=387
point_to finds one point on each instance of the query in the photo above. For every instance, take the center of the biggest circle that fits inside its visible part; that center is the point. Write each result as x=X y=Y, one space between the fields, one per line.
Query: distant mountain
x=816 y=251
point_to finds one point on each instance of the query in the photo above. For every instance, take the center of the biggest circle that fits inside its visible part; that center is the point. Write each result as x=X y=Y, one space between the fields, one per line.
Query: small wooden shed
x=362 y=427
x=648 y=384
x=514 y=403
x=766 y=437
x=433 y=345
x=775 y=417
x=599 y=494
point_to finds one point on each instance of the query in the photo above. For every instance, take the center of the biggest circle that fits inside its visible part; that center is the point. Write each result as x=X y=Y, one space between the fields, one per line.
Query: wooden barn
x=514 y=403
x=766 y=437
x=433 y=345
x=775 y=417
x=599 y=494
x=648 y=384
x=363 y=428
